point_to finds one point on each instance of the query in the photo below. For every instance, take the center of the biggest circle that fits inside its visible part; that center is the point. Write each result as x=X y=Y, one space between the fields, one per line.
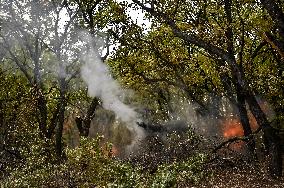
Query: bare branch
x=18 y=63
x=231 y=140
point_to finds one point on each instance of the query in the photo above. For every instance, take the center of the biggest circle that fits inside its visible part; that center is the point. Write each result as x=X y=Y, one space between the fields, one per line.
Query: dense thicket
x=201 y=62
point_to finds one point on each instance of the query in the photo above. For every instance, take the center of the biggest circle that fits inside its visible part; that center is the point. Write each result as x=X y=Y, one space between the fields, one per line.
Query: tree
x=228 y=48
x=40 y=46
x=97 y=17
x=276 y=38
x=42 y=43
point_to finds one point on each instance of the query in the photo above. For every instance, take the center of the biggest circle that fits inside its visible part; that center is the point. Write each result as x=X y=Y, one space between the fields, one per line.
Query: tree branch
x=276 y=14
x=231 y=140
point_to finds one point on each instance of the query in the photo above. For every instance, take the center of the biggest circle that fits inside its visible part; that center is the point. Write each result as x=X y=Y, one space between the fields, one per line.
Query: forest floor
x=241 y=176
x=226 y=168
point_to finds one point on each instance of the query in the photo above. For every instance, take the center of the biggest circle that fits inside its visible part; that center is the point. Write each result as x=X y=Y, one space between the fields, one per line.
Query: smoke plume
x=101 y=84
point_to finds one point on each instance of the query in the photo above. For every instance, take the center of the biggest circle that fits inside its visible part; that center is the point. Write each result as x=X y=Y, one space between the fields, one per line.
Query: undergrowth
x=88 y=165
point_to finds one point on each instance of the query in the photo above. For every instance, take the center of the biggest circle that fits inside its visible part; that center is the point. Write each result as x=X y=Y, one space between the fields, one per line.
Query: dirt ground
x=241 y=176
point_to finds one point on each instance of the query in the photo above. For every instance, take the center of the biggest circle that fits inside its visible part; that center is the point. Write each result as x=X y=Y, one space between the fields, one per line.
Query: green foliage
x=158 y=61
x=163 y=69
x=90 y=165
x=17 y=124
x=179 y=173
x=37 y=169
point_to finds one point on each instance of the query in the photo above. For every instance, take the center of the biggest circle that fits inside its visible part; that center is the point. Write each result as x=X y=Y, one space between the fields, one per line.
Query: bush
x=184 y=173
x=157 y=150
x=89 y=165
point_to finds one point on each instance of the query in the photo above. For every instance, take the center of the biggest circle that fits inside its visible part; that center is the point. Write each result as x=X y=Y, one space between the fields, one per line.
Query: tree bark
x=41 y=102
x=273 y=144
x=240 y=95
x=275 y=13
x=245 y=121
x=61 y=116
x=84 y=124
x=59 y=132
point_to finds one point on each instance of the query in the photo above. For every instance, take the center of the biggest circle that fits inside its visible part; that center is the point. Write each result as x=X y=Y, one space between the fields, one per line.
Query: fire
x=232 y=128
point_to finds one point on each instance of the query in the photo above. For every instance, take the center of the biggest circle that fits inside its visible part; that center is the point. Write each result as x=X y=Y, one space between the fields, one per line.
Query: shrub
x=179 y=173
x=89 y=165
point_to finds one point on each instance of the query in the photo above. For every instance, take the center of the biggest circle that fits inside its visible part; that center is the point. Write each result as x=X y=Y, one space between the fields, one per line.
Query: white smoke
x=101 y=84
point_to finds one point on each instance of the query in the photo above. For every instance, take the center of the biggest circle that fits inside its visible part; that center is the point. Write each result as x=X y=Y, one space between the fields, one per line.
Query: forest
x=141 y=93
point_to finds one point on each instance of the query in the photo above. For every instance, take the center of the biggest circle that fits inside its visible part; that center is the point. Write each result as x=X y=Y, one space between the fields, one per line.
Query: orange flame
x=233 y=128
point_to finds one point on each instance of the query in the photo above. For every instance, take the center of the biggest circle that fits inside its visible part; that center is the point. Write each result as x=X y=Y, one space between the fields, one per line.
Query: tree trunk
x=237 y=74
x=43 y=113
x=63 y=103
x=84 y=124
x=275 y=13
x=59 y=132
x=245 y=121
x=270 y=134
x=276 y=39
x=60 y=125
